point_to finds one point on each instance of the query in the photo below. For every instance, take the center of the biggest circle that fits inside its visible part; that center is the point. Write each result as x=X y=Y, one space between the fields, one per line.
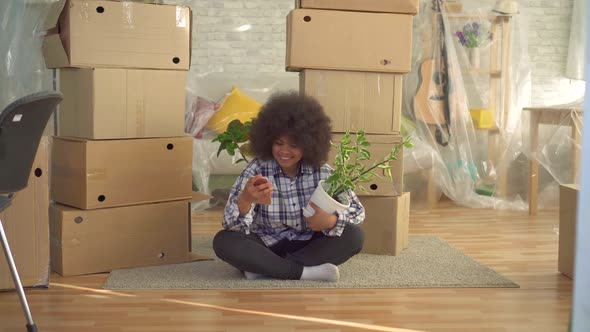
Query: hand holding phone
x=262 y=190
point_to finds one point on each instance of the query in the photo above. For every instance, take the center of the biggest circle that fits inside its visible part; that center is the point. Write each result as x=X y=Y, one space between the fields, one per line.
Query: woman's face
x=287 y=154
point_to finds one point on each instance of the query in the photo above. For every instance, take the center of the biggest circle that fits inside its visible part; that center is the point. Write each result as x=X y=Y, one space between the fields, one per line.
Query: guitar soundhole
x=439 y=78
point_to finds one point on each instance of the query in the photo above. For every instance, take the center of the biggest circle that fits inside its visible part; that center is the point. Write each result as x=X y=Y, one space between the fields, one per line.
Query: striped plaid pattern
x=283 y=218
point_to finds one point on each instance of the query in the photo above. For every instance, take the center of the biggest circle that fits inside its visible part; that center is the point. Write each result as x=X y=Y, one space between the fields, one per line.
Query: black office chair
x=21 y=125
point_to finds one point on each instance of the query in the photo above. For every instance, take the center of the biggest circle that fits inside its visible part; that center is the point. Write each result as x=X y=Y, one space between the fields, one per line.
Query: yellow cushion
x=236 y=105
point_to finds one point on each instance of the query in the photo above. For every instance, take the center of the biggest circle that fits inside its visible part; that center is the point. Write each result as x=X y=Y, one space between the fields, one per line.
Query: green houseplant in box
x=351 y=164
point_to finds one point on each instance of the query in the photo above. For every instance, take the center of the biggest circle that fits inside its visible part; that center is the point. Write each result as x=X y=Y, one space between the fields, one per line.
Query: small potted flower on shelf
x=472 y=37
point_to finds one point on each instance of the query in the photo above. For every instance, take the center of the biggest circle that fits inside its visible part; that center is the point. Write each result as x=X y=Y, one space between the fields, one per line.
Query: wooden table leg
x=533 y=165
x=575 y=153
x=431 y=188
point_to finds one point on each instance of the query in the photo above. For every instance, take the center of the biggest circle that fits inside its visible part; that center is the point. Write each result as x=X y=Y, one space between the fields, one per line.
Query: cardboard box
x=93 y=241
x=26 y=223
x=568 y=207
x=357 y=100
x=98 y=174
x=381 y=145
x=104 y=103
x=380 y=6
x=94 y=33
x=386 y=224
x=343 y=40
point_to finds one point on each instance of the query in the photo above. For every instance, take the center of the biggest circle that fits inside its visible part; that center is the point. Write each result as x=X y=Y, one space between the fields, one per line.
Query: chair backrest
x=22 y=123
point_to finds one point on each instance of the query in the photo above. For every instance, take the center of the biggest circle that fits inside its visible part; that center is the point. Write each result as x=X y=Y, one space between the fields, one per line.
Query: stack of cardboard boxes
x=351 y=56
x=121 y=165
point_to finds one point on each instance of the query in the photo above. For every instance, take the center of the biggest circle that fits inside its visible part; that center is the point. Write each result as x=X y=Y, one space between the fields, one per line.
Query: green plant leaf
x=366 y=177
x=364 y=155
x=388 y=173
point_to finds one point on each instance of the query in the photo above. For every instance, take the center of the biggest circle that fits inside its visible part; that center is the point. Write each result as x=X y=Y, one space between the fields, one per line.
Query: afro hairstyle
x=299 y=117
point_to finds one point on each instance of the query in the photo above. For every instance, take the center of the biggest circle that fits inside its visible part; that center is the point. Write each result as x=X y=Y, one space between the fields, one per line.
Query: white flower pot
x=321 y=198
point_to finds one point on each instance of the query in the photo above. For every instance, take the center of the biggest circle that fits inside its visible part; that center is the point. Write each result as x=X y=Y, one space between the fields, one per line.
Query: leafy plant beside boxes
x=350 y=164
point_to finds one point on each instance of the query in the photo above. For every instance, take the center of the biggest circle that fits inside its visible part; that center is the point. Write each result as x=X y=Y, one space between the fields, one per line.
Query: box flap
x=54 y=52
x=53 y=13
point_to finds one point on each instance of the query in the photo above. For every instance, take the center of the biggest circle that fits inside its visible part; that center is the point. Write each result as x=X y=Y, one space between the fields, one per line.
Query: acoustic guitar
x=431 y=102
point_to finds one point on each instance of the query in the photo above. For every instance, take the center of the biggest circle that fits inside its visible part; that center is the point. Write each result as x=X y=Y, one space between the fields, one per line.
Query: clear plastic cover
x=465 y=94
x=22 y=68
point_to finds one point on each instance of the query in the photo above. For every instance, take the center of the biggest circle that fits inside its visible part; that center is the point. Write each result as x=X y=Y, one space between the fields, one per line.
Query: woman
x=265 y=233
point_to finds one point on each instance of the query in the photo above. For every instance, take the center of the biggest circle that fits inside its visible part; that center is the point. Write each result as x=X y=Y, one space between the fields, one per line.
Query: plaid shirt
x=283 y=218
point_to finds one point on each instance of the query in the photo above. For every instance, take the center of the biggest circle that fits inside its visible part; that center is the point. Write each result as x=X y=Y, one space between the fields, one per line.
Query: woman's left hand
x=321 y=220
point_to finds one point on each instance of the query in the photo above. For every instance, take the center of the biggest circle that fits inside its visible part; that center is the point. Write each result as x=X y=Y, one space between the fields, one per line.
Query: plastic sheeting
x=476 y=167
x=576 y=54
x=552 y=137
x=22 y=68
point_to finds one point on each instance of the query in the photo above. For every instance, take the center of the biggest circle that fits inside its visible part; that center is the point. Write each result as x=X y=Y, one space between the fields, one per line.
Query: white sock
x=254 y=276
x=324 y=272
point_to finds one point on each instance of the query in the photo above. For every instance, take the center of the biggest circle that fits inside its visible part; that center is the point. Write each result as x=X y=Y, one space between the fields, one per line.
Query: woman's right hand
x=257 y=190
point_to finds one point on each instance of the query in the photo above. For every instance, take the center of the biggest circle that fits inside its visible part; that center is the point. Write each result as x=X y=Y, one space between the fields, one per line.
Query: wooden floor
x=521 y=247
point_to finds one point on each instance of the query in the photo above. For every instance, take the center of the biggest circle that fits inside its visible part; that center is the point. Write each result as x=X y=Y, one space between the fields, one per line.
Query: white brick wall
x=218 y=47
x=548 y=38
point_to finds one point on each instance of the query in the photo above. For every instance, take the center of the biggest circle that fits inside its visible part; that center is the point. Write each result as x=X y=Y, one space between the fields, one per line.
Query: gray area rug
x=428 y=262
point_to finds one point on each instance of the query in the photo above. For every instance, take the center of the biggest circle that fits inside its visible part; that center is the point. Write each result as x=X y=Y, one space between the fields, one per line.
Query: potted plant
x=350 y=170
x=235 y=137
x=350 y=165
x=473 y=36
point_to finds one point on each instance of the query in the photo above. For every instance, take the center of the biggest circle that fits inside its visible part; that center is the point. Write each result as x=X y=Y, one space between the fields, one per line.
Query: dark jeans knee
x=221 y=241
x=355 y=236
